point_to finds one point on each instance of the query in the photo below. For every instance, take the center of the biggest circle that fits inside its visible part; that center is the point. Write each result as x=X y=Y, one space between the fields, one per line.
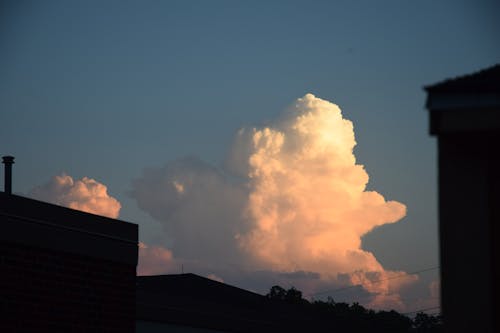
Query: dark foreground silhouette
x=342 y=317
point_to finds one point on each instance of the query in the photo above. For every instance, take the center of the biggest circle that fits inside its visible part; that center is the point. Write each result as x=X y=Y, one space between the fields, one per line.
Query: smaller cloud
x=178 y=187
x=155 y=260
x=435 y=289
x=84 y=194
x=214 y=277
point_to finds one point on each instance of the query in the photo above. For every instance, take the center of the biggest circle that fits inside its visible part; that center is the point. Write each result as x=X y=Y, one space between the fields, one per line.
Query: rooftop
x=189 y=299
x=484 y=81
x=36 y=223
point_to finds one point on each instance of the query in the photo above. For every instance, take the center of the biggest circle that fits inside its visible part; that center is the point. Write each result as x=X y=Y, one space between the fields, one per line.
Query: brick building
x=63 y=270
x=465 y=116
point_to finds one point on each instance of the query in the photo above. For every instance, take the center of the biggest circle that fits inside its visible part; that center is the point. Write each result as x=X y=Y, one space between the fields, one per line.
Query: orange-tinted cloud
x=155 y=260
x=84 y=194
x=308 y=205
x=296 y=201
x=214 y=277
x=90 y=196
x=435 y=289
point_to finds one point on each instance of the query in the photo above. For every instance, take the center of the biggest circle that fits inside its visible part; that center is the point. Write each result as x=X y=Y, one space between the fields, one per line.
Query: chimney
x=8 y=161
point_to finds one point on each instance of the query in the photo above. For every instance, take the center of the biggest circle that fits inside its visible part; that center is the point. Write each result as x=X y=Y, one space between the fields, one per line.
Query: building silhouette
x=195 y=304
x=64 y=270
x=191 y=303
x=465 y=116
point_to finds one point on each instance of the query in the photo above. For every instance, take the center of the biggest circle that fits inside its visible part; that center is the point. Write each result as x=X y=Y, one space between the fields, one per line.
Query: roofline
x=31 y=223
x=464 y=83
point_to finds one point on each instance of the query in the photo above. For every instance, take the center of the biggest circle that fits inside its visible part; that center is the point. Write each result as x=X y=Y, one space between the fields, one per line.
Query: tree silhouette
x=340 y=316
x=277 y=293
x=292 y=295
x=427 y=323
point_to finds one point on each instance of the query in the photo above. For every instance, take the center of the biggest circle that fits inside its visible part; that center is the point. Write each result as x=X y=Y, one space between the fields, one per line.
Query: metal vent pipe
x=8 y=161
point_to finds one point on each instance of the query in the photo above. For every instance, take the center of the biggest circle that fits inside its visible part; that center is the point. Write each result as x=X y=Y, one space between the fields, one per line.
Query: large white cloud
x=308 y=205
x=296 y=201
x=84 y=194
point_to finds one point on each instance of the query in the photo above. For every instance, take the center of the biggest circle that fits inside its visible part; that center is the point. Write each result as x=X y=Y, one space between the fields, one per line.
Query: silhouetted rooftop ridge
x=39 y=224
x=190 y=284
x=483 y=81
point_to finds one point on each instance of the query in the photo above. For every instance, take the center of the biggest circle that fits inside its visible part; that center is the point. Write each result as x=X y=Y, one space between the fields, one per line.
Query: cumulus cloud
x=154 y=259
x=214 y=277
x=197 y=206
x=308 y=205
x=435 y=289
x=84 y=194
x=90 y=196
x=296 y=201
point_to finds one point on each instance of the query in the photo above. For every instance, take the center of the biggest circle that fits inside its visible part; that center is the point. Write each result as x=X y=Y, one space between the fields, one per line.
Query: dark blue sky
x=105 y=88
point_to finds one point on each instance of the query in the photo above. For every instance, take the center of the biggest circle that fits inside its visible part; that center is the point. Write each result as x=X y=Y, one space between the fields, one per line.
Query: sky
x=258 y=143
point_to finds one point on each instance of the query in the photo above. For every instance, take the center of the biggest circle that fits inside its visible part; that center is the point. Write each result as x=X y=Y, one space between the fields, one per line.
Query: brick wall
x=63 y=270
x=45 y=290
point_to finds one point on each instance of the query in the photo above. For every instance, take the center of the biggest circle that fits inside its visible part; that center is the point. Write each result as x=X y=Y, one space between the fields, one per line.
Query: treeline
x=343 y=317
